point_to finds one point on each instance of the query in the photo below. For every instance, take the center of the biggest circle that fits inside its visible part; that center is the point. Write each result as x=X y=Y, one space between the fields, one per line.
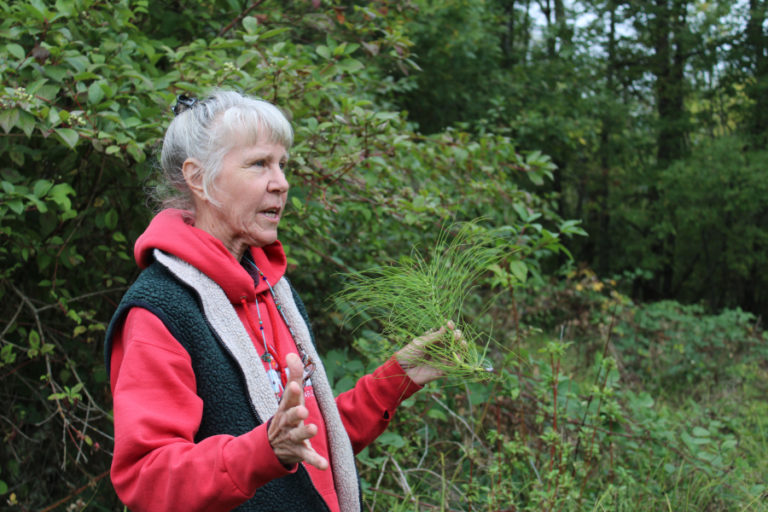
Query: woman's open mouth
x=272 y=213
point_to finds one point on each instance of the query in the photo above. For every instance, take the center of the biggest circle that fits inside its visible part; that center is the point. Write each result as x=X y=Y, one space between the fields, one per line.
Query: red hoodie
x=156 y=464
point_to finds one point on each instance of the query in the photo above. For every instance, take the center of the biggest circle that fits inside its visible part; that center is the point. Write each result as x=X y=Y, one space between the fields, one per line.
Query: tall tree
x=668 y=30
x=757 y=46
x=608 y=126
x=557 y=28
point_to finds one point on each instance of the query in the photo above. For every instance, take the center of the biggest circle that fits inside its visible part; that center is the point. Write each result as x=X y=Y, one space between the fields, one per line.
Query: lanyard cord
x=277 y=380
x=279 y=307
x=267 y=357
x=271 y=361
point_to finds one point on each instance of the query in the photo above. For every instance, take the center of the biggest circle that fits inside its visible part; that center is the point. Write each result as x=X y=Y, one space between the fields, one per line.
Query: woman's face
x=252 y=190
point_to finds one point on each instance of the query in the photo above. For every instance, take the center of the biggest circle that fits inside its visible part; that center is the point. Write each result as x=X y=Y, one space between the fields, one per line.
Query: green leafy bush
x=592 y=418
x=86 y=93
x=579 y=425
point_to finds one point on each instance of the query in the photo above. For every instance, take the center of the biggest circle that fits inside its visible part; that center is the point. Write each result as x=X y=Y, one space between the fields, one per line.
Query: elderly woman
x=220 y=398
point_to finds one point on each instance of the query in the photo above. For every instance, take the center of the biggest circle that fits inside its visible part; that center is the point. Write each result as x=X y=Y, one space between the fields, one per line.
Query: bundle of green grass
x=426 y=293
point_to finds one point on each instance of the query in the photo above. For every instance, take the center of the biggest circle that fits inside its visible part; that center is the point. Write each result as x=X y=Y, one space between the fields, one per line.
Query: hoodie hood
x=173 y=231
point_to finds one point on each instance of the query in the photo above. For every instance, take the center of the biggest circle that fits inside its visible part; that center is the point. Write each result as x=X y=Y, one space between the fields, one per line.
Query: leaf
x=391 y=439
x=350 y=65
x=17 y=157
x=34 y=339
x=700 y=432
x=643 y=400
x=68 y=136
x=54 y=117
x=110 y=219
x=85 y=75
x=106 y=88
x=59 y=193
x=16 y=50
x=135 y=152
x=95 y=93
x=8 y=118
x=41 y=187
x=66 y=8
x=250 y=24
x=39 y=9
x=273 y=32
x=323 y=51
x=437 y=414
x=26 y=122
x=460 y=154
x=16 y=206
x=57 y=73
x=519 y=270
x=48 y=92
x=522 y=212
x=536 y=178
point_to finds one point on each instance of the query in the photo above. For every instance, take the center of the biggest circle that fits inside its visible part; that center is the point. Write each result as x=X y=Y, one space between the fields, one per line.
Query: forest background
x=621 y=144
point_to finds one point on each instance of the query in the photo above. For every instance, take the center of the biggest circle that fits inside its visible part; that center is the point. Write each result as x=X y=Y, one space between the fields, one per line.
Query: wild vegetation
x=619 y=145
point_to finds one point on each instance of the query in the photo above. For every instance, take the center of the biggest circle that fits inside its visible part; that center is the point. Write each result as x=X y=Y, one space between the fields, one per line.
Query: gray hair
x=209 y=130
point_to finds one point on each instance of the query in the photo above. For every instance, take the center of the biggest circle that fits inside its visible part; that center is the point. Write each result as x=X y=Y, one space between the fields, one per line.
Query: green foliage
x=593 y=420
x=716 y=206
x=576 y=425
x=86 y=93
x=672 y=345
x=638 y=104
x=455 y=43
x=424 y=292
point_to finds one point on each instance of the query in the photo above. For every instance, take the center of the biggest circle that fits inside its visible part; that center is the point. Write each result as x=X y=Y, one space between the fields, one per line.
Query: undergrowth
x=615 y=406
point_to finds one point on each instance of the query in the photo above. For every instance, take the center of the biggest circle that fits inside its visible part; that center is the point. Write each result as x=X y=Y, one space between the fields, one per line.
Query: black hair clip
x=183 y=103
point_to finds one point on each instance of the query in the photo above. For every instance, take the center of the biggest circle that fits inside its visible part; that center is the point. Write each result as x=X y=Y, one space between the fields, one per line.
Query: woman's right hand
x=412 y=356
x=287 y=433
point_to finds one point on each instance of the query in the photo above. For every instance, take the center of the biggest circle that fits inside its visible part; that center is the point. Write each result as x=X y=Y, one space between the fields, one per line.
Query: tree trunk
x=756 y=47
x=564 y=32
x=508 y=36
x=608 y=126
x=546 y=9
x=667 y=30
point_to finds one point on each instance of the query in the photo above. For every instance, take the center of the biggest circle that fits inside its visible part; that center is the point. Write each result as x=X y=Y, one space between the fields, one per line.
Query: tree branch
x=240 y=17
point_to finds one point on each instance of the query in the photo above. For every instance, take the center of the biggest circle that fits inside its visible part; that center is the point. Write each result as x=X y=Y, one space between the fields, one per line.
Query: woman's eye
x=283 y=164
x=260 y=163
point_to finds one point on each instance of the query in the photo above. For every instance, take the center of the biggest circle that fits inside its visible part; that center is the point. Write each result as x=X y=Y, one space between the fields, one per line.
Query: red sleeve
x=156 y=463
x=367 y=409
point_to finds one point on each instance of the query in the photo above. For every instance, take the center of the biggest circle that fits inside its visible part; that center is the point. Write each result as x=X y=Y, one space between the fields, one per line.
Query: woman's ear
x=193 y=175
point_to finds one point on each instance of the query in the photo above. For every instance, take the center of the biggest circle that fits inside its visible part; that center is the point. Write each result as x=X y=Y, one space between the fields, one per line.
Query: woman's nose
x=278 y=181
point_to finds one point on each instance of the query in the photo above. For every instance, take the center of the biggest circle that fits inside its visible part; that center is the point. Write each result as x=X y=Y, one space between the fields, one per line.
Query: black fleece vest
x=220 y=382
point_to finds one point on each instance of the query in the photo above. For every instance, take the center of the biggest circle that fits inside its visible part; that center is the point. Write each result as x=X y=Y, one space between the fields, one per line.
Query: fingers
x=435 y=335
x=292 y=417
x=289 y=437
x=301 y=434
x=293 y=393
x=295 y=369
x=315 y=459
x=292 y=445
x=288 y=434
x=430 y=336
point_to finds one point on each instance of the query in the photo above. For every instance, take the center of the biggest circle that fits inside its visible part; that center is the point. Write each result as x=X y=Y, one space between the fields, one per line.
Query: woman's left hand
x=288 y=434
x=411 y=357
